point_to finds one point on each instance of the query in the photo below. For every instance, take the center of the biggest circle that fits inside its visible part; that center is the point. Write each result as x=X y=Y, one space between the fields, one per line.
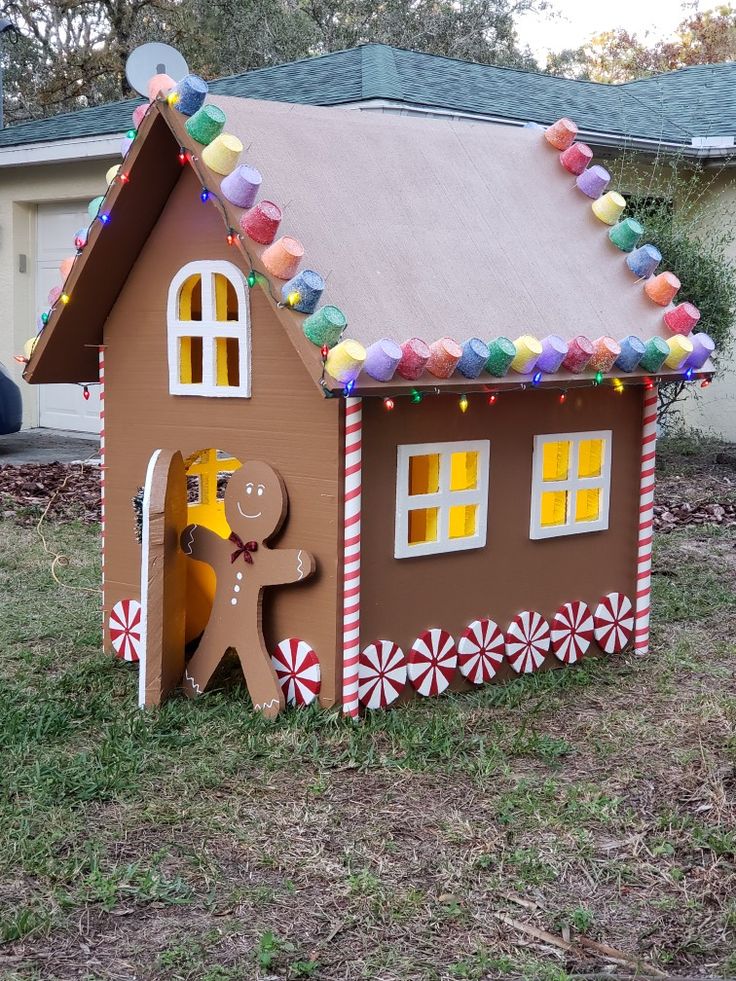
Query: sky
x=578 y=19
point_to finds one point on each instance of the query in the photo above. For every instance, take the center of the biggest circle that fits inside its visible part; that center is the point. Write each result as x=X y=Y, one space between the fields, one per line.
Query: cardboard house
x=427 y=351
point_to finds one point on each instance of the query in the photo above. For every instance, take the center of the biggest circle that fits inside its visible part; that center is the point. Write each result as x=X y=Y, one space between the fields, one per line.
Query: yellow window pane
x=226 y=300
x=463 y=520
x=554 y=508
x=190 y=298
x=556 y=460
x=424 y=474
x=423 y=525
x=190 y=360
x=463 y=471
x=590 y=458
x=227 y=360
x=588 y=504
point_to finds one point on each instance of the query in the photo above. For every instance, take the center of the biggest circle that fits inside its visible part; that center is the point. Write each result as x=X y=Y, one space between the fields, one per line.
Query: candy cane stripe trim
x=353 y=465
x=646 y=522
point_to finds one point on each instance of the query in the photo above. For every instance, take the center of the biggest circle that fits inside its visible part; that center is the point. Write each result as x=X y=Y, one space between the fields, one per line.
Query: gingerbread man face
x=255 y=501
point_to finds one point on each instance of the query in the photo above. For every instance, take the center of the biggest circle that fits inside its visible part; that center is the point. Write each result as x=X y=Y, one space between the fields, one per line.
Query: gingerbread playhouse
x=379 y=399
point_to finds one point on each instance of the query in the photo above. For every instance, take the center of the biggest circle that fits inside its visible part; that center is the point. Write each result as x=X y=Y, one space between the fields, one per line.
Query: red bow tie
x=243 y=548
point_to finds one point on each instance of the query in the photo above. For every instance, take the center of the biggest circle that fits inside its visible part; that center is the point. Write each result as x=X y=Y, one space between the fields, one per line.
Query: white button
x=236 y=589
x=234 y=601
x=239 y=575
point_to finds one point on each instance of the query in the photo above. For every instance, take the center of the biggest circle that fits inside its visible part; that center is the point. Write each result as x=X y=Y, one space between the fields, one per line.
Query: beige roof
x=429 y=228
x=422 y=228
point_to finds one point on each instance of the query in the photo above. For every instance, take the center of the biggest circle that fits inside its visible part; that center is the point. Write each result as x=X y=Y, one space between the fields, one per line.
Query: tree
x=72 y=53
x=703 y=37
x=686 y=215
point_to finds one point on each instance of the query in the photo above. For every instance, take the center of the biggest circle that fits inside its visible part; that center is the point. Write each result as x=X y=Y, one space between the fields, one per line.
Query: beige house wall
x=22 y=189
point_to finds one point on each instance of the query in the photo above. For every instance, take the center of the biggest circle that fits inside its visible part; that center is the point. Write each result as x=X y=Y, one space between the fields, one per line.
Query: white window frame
x=572 y=484
x=443 y=499
x=209 y=329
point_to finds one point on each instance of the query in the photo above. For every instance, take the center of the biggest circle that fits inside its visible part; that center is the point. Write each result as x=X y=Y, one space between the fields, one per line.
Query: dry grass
x=443 y=840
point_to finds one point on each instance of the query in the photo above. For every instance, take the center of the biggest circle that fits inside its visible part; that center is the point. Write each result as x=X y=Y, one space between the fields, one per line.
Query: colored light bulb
x=689 y=374
x=204 y=195
x=388 y=404
x=44 y=318
x=182 y=156
x=230 y=237
x=252 y=279
x=463 y=403
x=104 y=217
x=65 y=298
x=705 y=383
x=563 y=398
x=416 y=396
x=324 y=351
x=131 y=134
x=348 y=390
x=648 y=383
x=598 y=378
x=124 y=178
x=85 y=393
x=172 y=98
x=536 y=377
x=492 y=399
x=293 y=298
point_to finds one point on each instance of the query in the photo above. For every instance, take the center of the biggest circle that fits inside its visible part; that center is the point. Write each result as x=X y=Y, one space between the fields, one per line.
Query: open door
x=163 y=578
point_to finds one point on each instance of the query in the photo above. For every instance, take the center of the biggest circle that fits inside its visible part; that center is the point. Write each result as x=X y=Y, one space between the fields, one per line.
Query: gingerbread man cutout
x=255 y=507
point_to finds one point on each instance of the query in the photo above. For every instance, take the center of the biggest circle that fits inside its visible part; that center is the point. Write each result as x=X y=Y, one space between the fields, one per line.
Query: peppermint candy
x=480 y=651
x=527 y=642
x=432 y=662
x=297 y=669
x=571 y=631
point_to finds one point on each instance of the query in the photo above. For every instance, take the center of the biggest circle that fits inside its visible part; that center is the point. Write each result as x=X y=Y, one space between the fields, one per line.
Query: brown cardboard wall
x=285 y=423
x=402 y=597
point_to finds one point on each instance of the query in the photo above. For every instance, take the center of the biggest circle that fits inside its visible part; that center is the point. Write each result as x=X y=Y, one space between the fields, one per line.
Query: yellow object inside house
x=207 y=474
x=556 y=460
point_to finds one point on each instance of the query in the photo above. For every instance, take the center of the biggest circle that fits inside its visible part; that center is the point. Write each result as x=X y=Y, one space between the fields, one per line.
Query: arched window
x=208 y=325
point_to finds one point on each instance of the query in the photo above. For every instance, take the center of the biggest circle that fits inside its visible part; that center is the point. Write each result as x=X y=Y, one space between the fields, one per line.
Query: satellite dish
x=153 y=59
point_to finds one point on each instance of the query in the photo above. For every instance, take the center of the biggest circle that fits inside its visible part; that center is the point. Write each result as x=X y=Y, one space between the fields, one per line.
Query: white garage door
x=61 y=406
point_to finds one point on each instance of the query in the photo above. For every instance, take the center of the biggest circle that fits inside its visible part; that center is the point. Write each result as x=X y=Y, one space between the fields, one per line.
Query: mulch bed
x=71 y=491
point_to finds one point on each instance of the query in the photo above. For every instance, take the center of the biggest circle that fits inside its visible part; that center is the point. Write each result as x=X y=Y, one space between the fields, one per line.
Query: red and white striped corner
x=643 y=602
x=351 y=556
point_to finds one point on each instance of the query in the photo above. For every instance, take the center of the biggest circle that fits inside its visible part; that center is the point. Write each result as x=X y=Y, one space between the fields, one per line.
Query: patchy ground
x=578 y=822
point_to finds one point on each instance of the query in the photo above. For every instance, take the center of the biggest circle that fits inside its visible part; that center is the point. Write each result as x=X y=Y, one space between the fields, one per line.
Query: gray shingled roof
x=693 y=102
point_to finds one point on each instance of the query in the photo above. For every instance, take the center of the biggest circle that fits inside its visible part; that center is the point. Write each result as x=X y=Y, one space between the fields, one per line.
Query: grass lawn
x=443 y=840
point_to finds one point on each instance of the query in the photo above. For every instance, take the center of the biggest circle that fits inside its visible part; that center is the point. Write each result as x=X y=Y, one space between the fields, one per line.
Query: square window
x=570 y=483
x=463 y=471
x=423 y=525
x=556 y=460
x=463 y=519
x=441 y=497
x=554 y=508
x=424 y=474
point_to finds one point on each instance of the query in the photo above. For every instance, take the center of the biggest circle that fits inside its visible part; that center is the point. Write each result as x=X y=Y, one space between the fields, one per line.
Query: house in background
x=475 y=506
x=51 y=168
